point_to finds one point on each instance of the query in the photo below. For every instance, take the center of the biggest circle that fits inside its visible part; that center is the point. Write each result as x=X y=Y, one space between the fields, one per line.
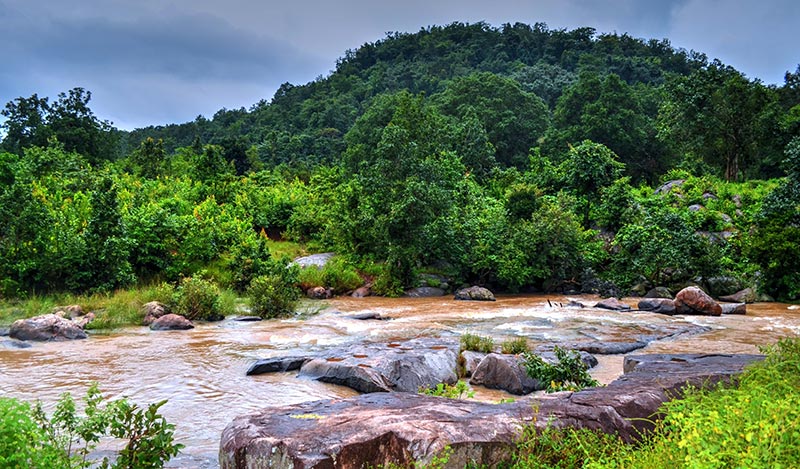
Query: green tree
x=589 y=167
x=25 y=123
x=148 y=160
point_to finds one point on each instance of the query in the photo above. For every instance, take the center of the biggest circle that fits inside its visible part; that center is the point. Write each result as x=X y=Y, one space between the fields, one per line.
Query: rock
x=380 y=367
x=733 y=308
x=46 y=327
x=748 y=295
x=314 y=260
x=659 y=292
x=709 y=196
x=695 y=208
x=737 y=200
x=693 y=300
x=721 y=286
x=319 y=293
x=475 y=293
x=4 y=332
x=612 y=304
x=13 y=344
x=69 y=312
x=368 y=316
x=507 y=372
x=171 y=322
x=640 y=289
x=471 y=361
x=669 y=185
x=247 y=318
x=82 y=321
x=658 y=305
x=404 y=429
x=276 y=365
x=152 y=311
x=361 y=292
x=575 y=304
x=424 y=292
x=610 y=348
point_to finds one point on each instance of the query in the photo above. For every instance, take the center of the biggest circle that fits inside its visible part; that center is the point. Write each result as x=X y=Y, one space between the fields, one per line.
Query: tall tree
x=25 y=123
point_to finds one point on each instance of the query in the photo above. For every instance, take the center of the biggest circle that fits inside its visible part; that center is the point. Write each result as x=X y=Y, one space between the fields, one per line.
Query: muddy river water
x=202 y=371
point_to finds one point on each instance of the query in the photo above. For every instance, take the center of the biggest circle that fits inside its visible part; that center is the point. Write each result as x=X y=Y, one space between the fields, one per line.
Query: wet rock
x=82 y=321
x=640 y=289
x=381 y=367
x=315 y=260
x=472 y=360
x=659 y=292
x=733 y=308
x=276 y=365
x=693 y=300
x=69 y=311
x=475 y=293
x=610 y=348
x=13 y=344
x=612 y=304
x=722 y=286
x=748 y=295
x=319 y=293
x=424 y=292
x=361 y=292
x=669 y=185
x=402 y=429
x=247 y=319
x=575 y=304
x=636 y=340
x=46 y=327
x=368 y=316
x=4 y=331
x=152 y=311
x=171 y=322
x=658 y=305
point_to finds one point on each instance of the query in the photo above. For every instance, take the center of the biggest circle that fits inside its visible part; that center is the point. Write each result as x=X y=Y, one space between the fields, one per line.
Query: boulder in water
x=613 y=304
x=46 y=327
x=748 y=295
x=658 y=305
x=152 y=311
x=361 y=292
x=171 y=322
x=693 y=300
x=733 y=308
x=475 y=293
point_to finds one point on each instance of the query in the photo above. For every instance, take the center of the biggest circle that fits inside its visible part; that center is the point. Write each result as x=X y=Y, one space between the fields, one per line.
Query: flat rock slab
x=374 y=430
x=276 y=365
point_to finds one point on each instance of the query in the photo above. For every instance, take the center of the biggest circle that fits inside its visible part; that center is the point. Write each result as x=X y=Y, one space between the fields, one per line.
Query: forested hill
x=517 y=156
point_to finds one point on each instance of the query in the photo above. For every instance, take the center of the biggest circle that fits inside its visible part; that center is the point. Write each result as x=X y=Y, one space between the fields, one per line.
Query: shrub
x=271 y=296
x=451 y=391
x=31 y=439
x=514 y=346
x=477 y=343
x=198 y=298
x=567 y=448
x=567 y=374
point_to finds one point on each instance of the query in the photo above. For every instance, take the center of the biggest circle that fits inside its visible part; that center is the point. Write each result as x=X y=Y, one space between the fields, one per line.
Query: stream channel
x=202 y=371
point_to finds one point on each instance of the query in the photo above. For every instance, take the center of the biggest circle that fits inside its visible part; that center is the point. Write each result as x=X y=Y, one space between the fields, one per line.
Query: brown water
x=202 y=371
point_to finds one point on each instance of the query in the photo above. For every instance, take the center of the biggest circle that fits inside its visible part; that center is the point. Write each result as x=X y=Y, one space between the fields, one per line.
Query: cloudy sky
x=159 y=61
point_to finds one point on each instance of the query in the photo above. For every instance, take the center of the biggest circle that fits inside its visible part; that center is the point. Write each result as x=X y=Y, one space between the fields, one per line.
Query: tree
x=588 y=168
x=717 y=115
x=25 y=123
x=148 y=159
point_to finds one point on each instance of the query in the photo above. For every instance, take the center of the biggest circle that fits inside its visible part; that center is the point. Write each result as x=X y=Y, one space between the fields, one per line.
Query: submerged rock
x=46 y=327
x=402 y=429
x=613 y=304
x=475 y=293
x=13 y=344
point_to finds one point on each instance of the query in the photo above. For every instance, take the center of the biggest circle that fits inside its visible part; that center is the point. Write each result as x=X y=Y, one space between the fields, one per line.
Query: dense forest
x=519 y=157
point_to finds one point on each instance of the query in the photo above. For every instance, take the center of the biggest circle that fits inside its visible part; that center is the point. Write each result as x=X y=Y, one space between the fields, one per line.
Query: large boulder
x=693 y=300
x=612 y=304
x=152 y=311
x=424 y=292
x=171 y=322
x=404 y=429
x=657 y=305
x=46 y=327
x=382 y=367
x=507 y=372
x=748 y=295
x=475 y=293
x=471 y=360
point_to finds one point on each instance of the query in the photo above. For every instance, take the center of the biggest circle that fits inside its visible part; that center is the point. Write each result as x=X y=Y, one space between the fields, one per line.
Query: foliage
x=460 y=390
x=337 y=274
x=514 y=346
x=567 y=374
x=31 y=439
x=274 y=294
x=476 y=343
x=197 y=298
x=564 y=448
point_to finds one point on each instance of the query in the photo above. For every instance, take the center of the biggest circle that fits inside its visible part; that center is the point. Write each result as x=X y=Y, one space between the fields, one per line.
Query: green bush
x=563 y=448
x=31 y=439
x=272 y=296
x=569 y=373
x=476 y=343
x=459 y=390
x=514 y=346
x=198 y=299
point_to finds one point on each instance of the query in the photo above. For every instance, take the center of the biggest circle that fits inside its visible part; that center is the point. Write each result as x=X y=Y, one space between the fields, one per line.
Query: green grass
x=476 y=343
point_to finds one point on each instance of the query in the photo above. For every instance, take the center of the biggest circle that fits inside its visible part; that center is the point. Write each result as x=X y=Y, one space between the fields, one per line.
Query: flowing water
x=202 y=371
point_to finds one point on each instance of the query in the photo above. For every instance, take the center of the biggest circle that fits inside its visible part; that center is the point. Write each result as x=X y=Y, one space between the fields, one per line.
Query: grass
x=476 y=343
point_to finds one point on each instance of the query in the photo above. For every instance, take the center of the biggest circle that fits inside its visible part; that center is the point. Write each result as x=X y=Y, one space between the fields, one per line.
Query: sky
x=154 y=62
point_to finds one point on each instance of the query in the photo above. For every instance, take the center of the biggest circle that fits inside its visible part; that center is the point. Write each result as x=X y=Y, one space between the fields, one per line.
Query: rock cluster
x=690 y=300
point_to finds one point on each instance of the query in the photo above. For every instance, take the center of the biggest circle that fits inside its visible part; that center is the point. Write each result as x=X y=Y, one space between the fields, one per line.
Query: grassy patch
x=476 y=343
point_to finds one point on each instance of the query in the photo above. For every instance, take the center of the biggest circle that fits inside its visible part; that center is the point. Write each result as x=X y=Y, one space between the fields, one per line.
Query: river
x=202 y=371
